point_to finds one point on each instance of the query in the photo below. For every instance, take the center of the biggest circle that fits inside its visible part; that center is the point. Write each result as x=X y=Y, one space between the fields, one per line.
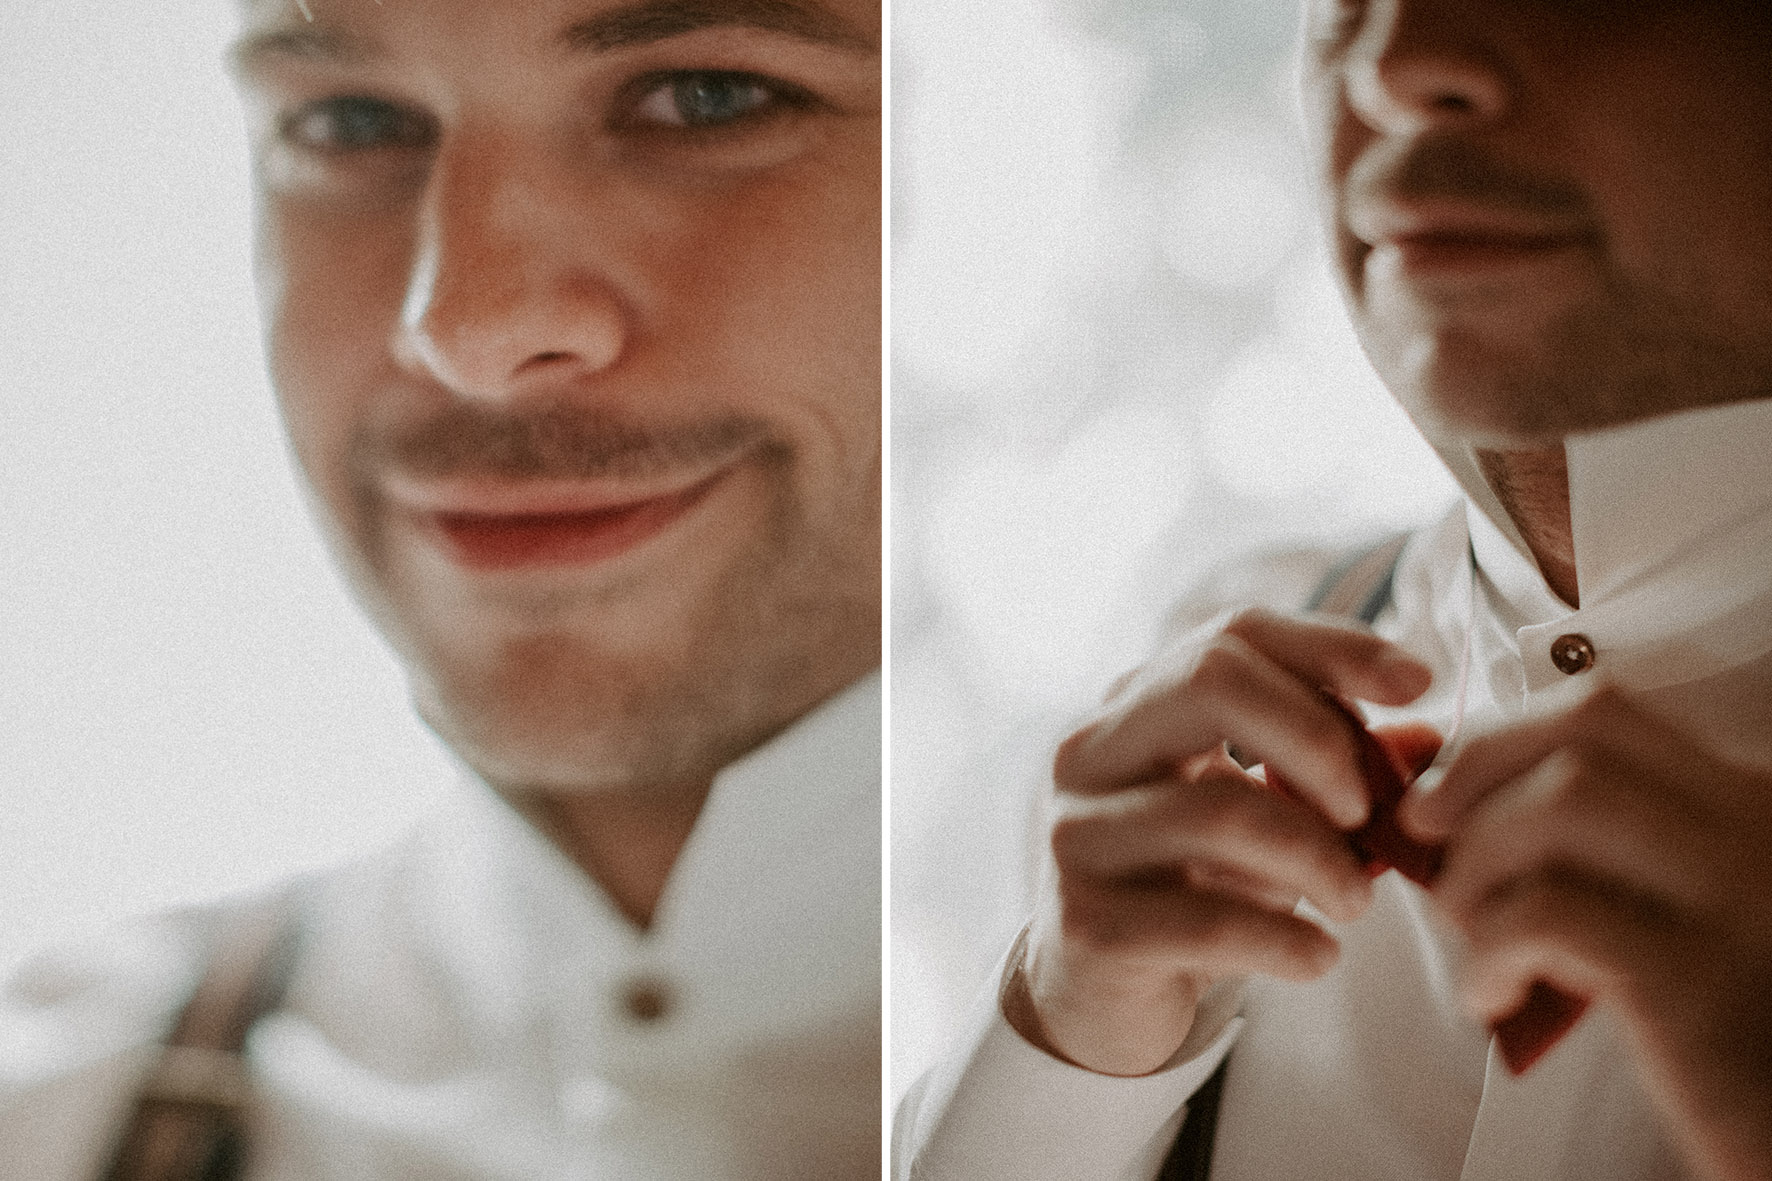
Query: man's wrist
x=1016 y=1002
x=1195 y=1019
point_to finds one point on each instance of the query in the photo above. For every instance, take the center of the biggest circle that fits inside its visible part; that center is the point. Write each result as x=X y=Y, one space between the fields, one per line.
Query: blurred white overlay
x=1118 y=360
x=188 y=702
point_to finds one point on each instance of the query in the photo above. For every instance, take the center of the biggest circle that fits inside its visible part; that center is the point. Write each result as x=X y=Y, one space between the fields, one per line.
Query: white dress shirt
x=1374 y=1071
x=459 y=1011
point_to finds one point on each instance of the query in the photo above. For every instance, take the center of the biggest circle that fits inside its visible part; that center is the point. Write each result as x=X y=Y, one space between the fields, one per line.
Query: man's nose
x=503 y=294
x=1417 y=64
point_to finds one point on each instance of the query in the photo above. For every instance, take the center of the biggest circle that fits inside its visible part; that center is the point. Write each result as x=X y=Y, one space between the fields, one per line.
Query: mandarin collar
x=770 y=916
x=1643 y=495
x=1672 y=525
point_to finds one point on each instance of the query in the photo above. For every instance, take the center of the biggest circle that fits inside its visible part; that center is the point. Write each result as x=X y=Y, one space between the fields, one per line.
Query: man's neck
x=1533 y=486
x=627 y=843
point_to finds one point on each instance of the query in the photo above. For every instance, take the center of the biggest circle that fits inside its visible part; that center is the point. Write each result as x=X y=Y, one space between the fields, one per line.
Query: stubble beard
x=647 y=682
x=1632 y=353
x=559 y=708
x=1517 y=365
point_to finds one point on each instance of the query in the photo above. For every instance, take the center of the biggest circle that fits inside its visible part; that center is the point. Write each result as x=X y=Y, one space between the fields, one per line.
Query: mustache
x=554 y=442
x=1444 y=168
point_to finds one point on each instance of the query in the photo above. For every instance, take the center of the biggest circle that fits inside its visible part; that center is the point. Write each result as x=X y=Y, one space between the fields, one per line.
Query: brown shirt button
x=1573 y=653
x=645 y=1000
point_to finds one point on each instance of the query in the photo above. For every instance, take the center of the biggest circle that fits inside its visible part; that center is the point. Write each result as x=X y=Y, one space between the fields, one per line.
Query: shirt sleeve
x=1000 y=1107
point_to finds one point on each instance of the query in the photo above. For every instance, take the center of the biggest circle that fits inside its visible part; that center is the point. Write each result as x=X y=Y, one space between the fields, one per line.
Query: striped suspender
x=188 y=1123
x=1358 y=587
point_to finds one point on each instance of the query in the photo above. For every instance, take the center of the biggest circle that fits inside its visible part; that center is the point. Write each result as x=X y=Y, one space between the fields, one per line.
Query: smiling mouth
x=513 y=540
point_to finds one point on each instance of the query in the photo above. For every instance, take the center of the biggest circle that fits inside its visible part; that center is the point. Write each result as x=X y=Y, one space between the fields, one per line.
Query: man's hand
x=1173 y=867
x=1606 y=852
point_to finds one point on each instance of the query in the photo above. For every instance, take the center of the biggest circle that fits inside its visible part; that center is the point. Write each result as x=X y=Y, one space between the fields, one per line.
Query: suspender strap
x=188 y=1123
x=1191 y=1158
x=1358 y=587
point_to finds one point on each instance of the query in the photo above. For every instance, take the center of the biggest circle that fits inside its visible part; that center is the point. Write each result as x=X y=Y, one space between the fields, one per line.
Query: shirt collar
x=771 y=914
x=1641 y=495
x=797 y=817
x=1672 y=524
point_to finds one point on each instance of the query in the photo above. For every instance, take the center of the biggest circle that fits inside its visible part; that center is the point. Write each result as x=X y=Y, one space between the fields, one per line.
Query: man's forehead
x=347 y=29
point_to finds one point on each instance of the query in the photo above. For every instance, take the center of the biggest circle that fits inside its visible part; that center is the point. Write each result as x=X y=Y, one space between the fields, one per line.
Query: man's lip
x=1451 y=240
x=1454 y=254
x=495 y=496
x=1437 y=220
x=501 y=526
x=1443 y=246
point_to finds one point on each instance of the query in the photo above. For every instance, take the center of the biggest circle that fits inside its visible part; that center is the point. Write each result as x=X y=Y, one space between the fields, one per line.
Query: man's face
x=1550 y=215
x=574 y=313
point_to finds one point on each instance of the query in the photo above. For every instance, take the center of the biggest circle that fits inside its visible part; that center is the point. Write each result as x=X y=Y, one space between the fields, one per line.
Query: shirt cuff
x=1001 y=1107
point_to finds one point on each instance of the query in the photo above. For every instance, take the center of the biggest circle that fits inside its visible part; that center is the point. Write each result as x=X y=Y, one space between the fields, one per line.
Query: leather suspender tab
x=188 y=1123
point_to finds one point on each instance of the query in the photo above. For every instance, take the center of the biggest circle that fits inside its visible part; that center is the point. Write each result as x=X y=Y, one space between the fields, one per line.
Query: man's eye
x=356 y=125
x=711 y=98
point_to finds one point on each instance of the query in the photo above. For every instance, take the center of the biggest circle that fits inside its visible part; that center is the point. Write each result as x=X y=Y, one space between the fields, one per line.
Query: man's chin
x=1534 y=388
x=565 y=712
x=1530 y=416
x=517 y=751
x=1489 y=423
x=1467 y=395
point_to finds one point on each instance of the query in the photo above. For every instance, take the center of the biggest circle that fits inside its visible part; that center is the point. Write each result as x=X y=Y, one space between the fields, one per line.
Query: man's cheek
x=331 y=270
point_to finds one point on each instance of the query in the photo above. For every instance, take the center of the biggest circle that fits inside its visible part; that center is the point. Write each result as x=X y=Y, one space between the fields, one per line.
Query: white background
x=188 y=702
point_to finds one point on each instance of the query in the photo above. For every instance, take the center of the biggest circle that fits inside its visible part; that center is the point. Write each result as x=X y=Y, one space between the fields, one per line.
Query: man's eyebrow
x=657 y=20
x=297 y=44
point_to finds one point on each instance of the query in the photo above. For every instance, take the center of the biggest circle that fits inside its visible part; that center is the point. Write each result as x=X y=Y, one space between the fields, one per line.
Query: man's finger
x=1577 y=935
x=1150 y=722
x=1604 y=719
x=1232 y=692
x=1482 y=766
x=1587 y=810
x=1181 y=929
x=1222 y=821
x=1335 y=654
